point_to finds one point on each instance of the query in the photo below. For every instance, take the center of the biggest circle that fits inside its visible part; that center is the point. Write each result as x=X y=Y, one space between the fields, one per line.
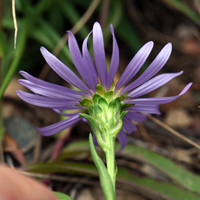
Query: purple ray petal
x=134 y=65
x=114 y=60
x=47 y=101
x=128 y=126
x=48 y=92
x=59 y=88
x=136 y=116
x=153 y=68
x=57 y=127
x=122 y=139
x=95 y=140
x=65 y=114
x=153 y=84
x=77 y=58
x=145 y=108
x=63 y=71
x=84 y=120
x=160 y=100
x=88 y=60
x=99 y=53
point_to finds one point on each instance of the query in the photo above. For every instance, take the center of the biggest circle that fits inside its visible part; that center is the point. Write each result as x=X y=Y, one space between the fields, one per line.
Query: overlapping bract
x=61 y=98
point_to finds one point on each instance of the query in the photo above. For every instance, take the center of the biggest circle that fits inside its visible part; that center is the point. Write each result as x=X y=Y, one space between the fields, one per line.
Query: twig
x=173 y=131
x=15 y=23
x=104 y=13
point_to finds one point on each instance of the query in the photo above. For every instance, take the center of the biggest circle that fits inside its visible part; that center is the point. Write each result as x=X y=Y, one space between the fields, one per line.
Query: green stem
x=110 y=159
x=105 y=180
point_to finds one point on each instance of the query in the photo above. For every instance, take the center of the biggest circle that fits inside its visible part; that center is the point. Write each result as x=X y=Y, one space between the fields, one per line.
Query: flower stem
x=110 y=159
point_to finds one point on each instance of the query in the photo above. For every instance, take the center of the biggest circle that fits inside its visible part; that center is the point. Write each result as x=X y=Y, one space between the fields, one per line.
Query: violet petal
x=114 y=60
x=63 y=71
x=135 y=64
x=153 y=84
x=153 y=68
x=136 y=116
x=78 y=61
x=88 y=60
x=122 y=139
x=49 y=92
x=99 y=53
x=95 y=140
x=38 y=81
x=128 y=126
x=47 y=101
x=57 y=127
x=159 y=100
x=145 y=108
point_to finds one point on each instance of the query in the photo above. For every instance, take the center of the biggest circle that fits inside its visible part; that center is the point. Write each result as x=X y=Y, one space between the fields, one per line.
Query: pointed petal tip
x=111 y=28
x=169 y=44
x=186 y=88
x=150 y=44
x=96 y=24
x=22 y=72
x=42 y=49
x=97 y=27
x=179 y=73
x=69 y=33
x=20 y=80
x=168 y=48
x=18 y=92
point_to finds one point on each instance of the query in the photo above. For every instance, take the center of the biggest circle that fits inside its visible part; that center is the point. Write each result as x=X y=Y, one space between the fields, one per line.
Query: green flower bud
x=105 y=115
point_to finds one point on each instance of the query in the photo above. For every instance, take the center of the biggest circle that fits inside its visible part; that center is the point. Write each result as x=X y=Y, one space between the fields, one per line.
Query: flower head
x=97 y=82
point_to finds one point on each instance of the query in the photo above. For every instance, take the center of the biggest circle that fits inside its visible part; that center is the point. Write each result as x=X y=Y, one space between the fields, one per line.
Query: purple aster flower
x=61 y=98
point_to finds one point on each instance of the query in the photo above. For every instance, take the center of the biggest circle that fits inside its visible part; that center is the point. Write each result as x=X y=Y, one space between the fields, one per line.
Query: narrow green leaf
x=62 y=196
x=177 y=173
x=181 y=176
x=155 y=189
x=149 y=187
x=18 y=54
x=3 y=44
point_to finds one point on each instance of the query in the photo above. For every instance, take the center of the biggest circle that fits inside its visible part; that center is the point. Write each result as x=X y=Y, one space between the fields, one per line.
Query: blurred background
x=44 y=23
